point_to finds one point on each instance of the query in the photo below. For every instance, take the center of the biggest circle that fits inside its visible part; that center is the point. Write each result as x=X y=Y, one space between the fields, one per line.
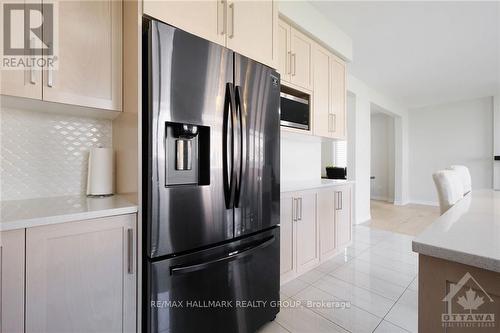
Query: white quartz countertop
x=18 y=214
x=468 y=233
x=311 y=184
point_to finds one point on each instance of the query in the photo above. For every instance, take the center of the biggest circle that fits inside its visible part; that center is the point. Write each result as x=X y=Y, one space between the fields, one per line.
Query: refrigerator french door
x=211 y=185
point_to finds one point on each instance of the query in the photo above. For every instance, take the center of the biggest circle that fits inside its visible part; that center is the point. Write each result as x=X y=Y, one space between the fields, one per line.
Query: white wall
x=382 y=157
x=300 y=157
x=456 y=133
x=359 y=145
x=315 y=23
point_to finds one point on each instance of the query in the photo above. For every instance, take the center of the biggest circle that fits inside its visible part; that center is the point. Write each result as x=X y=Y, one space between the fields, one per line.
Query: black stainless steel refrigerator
x=211 y=186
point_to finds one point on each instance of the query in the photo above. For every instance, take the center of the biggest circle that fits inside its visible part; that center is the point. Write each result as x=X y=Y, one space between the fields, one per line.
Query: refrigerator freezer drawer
x=229 y=288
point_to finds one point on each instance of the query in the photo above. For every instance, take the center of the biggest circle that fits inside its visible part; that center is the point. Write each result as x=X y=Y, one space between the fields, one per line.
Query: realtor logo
x=29 y=35
x=468 y=302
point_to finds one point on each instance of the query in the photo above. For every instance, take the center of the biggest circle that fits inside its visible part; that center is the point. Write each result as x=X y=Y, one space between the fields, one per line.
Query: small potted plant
x=333 y=172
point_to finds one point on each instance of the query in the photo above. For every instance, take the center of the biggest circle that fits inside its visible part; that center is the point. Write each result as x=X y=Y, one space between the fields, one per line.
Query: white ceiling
x=422 y=53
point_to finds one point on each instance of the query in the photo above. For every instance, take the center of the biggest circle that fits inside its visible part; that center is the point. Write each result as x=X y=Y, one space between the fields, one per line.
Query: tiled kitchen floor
x=377 y=275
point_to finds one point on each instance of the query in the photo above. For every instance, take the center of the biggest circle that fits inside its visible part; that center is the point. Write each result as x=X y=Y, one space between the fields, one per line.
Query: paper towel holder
x=100 y=172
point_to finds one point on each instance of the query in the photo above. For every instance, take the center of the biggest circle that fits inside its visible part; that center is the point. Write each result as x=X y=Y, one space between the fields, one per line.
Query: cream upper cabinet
x=12 y=281
x=284 y=50
x=81 y=276
x=23 y=82
x=287 y=251
x=247 y=27
x=343 y=223
x=300 y=59
x=201 y=18
x=337 y=119
x=294 y=56
x=89 y=51
x=307 y=231
x=321 y=91
x=251 y=29
x=326 y=221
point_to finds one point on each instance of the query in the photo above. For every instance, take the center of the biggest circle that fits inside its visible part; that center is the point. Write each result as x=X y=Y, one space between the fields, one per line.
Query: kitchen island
x=459 y=267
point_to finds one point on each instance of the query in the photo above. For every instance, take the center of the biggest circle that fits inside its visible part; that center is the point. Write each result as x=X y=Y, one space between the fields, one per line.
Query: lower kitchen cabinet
x=307 y=231
x=343 y=223
x=326 y=220
x=315 y=225
x=81 y=276
x=12 y=281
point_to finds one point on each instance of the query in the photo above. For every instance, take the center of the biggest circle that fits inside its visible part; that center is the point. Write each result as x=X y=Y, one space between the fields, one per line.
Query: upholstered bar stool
x=464 y=174
x=449 y=188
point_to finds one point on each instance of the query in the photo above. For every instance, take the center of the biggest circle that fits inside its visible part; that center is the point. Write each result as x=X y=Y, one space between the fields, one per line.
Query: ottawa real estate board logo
x=465 y=305
x=29 y=35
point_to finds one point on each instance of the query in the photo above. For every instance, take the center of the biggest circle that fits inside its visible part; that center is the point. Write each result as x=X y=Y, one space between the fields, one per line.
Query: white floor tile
x=407 y=257
x=396 y=265
x=312 y=276
x=380 y=272
x=293 y=287
x=414 y=285
x=350 y=318
x=367 y=281
x=405 y=312
x=386 y=327
x=334 y=263
x=362 y=298
x=302 y=320
x=272 y=327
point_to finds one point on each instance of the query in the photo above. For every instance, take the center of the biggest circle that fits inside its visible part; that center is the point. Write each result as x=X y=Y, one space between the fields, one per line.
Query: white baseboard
x=425 y=202
x=401 y=203
x=380 y=198
x=363 y=220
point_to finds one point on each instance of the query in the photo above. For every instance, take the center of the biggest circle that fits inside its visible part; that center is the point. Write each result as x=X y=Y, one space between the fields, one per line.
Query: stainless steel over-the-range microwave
x=294 y=112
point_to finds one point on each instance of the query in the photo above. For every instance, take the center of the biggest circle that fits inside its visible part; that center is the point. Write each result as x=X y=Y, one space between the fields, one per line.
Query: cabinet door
x=326 y=221
x=201 y=18
x=23 y=82
x=321 y=91
x=286 y=238
x=81 y=276
x=301 y=54
x=284 y=50
x=338 y=98
x=251 y=29
x=12 y=281
x=343 y=215
x=307 y=232
x=89 y=51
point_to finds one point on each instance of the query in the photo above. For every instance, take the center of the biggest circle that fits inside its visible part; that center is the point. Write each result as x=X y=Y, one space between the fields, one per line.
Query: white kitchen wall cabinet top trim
x=17 y=214
x=312 y=184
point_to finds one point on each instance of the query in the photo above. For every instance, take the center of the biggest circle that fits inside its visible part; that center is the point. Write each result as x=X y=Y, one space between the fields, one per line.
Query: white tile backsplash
x=45 y=155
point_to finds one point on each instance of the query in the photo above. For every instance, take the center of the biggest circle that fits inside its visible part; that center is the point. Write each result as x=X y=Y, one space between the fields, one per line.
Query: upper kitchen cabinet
x=247 y=27
x=321 y=92
x=89 y=51
x=296 y=59
x=251 y=29
x=337 y=119
x=329 y=94
x=201 y=18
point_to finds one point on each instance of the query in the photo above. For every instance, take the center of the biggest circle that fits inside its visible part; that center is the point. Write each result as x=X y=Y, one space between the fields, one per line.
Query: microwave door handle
x=228 y=146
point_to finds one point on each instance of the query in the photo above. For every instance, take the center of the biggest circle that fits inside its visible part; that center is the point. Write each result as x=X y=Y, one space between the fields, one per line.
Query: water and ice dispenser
x=187 y=154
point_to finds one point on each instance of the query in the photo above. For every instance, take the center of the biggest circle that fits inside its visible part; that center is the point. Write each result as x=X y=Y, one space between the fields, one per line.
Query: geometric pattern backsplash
x=46 y=155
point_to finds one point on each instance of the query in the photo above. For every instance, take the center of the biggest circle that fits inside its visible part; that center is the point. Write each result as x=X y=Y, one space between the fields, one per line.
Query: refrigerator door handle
x=237 y=254
x=229 y=172
x=241 y=145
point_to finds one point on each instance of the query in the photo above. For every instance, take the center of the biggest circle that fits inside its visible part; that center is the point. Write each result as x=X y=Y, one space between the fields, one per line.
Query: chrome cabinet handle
x=222 y=15
x=341 y=198
x=288 y=64
x=299 y=204
x=294 y=209
x=32 y=69
x=337 y=202
x=294 y=63
x=130 y=251
x=231 y=8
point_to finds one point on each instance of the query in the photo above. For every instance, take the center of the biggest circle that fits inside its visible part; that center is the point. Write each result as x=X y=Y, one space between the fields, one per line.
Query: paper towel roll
x=100 y=173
